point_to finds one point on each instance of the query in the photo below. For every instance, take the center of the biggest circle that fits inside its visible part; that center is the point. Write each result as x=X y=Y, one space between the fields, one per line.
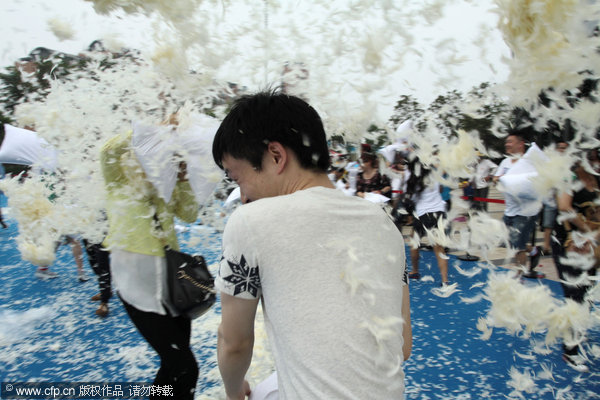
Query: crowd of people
x=424 y=202
x=285 y=163
x=399 y=181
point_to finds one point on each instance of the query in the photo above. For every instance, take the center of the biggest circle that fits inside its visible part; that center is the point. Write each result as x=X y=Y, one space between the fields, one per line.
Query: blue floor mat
x=49 y=333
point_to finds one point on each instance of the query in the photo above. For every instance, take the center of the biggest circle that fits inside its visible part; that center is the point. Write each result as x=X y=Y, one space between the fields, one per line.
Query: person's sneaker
x=414 y=275
x=576 y=362
x=45 y=274
x=534 y=275
x=102 y=310
x=82 y=277
x=96 y=297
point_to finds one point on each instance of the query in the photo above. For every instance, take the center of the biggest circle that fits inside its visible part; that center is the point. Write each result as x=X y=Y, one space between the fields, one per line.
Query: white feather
x=62 y=30
x=446 y=290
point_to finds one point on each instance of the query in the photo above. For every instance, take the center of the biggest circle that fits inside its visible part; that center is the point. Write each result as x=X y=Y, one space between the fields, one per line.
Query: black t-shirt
x=377 y=182
x=584 y=202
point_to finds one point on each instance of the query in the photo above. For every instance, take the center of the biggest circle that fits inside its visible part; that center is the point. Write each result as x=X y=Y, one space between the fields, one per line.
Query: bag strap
x=181 y=273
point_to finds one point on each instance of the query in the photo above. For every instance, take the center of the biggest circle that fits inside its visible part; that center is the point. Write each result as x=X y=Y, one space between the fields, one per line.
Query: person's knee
x=186 y=358
x=180 y=364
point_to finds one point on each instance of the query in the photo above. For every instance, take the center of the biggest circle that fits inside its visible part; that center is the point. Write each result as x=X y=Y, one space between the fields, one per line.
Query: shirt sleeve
x=238 y=274
x=185 y=205
x=491 y=167
x=110 y=159
x=500 y=170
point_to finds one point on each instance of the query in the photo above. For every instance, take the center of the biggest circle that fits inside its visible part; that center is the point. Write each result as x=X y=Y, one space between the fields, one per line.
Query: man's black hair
x=518 y=133
x=521 y=125
x=255 y=120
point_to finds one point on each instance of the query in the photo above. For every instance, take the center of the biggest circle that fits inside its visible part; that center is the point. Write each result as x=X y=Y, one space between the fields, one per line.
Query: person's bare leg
x=442 y=262
x=77 y=254
x=521 y=259
x=414 y=258
x=547 y=238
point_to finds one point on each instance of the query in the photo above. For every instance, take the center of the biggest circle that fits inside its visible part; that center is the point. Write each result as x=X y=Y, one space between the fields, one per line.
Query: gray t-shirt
x=331 y=271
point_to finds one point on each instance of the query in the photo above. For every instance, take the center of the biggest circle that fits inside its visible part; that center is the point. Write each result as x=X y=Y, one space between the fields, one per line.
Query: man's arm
x=235 y=343
x=498 y=173
x=110 y=158
x=565 y=205
x=407 y=327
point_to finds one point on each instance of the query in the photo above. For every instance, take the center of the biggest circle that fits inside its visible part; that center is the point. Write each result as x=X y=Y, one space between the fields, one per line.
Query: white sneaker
x=45 y=274
x=576 y=362
x=82 y=277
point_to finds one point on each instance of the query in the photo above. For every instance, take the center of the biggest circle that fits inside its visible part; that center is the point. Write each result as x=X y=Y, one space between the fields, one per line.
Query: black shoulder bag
x=191 y=286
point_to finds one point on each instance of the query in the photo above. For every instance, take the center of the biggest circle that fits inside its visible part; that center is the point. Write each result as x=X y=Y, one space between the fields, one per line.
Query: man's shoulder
x=298 y=203
x=505 y=163
x=259 y=208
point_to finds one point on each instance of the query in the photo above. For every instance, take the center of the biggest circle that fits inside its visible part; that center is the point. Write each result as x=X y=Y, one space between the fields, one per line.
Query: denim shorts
x=549 y=216
x=520 y=229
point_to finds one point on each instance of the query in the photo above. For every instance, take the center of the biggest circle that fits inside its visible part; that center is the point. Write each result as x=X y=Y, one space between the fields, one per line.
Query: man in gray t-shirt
x=330 y=269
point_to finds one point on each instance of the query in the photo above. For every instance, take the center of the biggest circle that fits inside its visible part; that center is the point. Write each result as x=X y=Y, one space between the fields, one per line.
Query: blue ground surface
x=48 y=332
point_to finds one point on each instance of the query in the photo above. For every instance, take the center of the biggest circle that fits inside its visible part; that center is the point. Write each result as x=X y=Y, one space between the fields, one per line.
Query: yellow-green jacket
x=132 y=203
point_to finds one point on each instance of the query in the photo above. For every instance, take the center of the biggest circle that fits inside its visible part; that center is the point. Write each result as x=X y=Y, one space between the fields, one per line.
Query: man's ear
x=277 y=154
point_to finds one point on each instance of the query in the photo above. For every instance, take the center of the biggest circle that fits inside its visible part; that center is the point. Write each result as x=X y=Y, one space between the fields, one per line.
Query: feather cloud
x=558 y=320
x=61 y=29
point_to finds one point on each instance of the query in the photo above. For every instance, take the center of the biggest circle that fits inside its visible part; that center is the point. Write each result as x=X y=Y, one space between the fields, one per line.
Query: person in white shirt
x=550 y=210
x=481 y=182
x=429 y=208
x=2 y=173
x=329 y=269
x=399 y=174
x=519 y=216
x=338 y=178
x=352 y=170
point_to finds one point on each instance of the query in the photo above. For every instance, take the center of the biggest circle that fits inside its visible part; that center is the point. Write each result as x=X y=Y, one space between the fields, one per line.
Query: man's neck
x=306 y=180
x=515 y=157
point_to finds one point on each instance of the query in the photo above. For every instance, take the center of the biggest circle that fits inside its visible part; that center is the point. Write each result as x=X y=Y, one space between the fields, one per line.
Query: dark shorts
x=427 y=221
x=520 y=229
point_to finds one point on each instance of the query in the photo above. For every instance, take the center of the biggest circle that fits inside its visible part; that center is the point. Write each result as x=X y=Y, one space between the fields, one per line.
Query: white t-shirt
x=399 y=183
x=344 y=187
x=331 y=270
x=513 y=204
x=505 y=165
x=484 y=168
x=353 y=169
x=429 y=200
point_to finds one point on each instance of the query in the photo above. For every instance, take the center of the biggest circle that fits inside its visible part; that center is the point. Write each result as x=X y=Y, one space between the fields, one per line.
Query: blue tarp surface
x=49 y=333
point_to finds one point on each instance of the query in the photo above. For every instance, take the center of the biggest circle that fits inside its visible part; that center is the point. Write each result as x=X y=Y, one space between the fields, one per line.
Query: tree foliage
x=407 y=108
x=475 y=111
x=18 y=86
